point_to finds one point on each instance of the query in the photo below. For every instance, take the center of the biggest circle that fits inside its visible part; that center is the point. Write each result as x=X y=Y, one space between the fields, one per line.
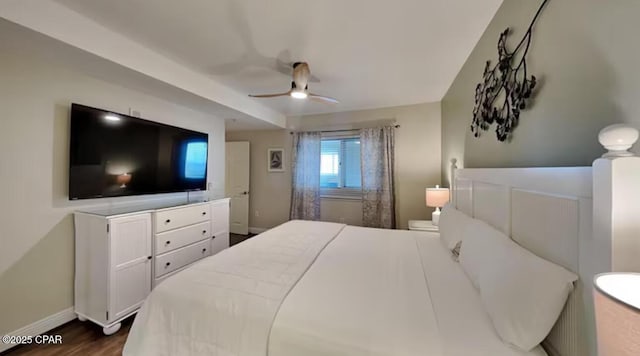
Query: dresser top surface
x=136 y=208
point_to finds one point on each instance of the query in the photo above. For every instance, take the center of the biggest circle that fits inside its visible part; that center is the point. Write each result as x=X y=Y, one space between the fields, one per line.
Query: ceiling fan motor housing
x=294 y=86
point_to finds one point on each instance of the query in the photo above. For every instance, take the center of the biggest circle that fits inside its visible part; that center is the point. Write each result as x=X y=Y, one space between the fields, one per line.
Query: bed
x=313 y=288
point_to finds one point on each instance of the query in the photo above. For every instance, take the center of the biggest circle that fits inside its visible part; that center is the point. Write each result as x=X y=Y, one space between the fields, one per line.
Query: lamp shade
x=123 y=179
x=437 y=197
x=617 y=308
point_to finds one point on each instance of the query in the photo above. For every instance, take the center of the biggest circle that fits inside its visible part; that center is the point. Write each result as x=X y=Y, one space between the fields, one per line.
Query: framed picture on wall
x=275 y=160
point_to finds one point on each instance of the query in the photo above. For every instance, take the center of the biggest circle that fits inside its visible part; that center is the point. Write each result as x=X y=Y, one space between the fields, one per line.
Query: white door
x=130 y=279
x=237 y=186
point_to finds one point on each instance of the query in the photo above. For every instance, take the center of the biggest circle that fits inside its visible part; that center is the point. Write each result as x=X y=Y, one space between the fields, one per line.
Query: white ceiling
x=368 y=54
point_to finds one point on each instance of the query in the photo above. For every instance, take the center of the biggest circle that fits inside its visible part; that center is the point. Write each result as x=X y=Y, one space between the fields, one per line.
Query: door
x=237 y=186
x=130 y=256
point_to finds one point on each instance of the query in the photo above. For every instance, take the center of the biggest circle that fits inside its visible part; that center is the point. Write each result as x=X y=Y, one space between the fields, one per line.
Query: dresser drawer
x=174 y=260
x=171 y=240
x=181 y=217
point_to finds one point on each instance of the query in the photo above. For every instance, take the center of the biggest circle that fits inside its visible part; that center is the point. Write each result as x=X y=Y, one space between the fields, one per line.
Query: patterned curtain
x=305 y=162
x=376 y=159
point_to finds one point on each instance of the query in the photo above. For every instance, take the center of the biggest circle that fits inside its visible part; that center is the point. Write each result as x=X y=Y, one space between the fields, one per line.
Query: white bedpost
x=452 y=183
x=616 y=202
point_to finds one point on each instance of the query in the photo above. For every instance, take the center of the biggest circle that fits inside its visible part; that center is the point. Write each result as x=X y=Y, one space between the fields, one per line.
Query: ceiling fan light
x=299 y=94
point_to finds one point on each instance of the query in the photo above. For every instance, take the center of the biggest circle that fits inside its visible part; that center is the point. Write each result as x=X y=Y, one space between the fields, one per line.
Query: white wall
x=36 y=227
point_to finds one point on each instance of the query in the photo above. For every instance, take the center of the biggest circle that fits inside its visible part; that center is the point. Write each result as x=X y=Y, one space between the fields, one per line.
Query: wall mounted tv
x=114 y=155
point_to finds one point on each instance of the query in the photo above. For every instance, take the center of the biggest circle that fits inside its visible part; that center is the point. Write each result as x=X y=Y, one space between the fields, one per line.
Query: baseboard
x=42 y=326
x=257 y=230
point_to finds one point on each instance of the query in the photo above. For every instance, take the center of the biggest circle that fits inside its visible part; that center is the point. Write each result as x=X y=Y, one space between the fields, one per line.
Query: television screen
x=117 y=155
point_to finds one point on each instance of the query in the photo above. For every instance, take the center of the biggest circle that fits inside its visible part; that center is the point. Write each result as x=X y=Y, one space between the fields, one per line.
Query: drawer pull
x=204 y=250
x=204 y=232
x=168 y=242
x=204 y=213
x=167 y=221
x=148 y=257
x=167 y=264
x=213 y=237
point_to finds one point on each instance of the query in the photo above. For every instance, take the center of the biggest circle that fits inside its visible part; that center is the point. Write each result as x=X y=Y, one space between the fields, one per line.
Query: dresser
x=122 y=253
x=183 y=235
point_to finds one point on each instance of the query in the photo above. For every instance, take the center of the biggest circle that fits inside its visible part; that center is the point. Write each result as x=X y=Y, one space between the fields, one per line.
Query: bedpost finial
x=618 y=139
x=453 y=162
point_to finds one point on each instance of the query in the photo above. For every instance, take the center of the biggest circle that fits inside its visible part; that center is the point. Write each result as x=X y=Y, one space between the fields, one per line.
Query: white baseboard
x=257 y=230
x=42 y=326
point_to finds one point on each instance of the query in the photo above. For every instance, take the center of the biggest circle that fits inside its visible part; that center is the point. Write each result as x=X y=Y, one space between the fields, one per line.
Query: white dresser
x=183 y=235
x=122 y=253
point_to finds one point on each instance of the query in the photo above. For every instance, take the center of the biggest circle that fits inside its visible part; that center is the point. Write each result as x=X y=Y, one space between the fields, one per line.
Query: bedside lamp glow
x=123 y=179
x=436 y=198
x=617 y=307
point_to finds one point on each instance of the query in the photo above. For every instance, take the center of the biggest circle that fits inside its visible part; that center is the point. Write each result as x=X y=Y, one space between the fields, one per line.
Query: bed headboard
x=549 y=212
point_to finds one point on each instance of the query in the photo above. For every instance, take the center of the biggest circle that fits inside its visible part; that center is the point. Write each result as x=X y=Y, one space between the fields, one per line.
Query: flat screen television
x=114 y=155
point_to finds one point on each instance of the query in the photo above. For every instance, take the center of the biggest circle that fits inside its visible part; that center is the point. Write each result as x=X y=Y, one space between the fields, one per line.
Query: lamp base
x=435 y=217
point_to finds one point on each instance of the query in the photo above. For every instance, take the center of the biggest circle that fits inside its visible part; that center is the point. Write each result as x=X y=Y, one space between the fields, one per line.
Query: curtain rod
x=345 y=130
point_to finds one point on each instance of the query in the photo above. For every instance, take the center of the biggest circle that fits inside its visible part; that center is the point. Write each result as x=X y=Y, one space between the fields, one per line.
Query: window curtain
x=377 y=161
x=305 y=193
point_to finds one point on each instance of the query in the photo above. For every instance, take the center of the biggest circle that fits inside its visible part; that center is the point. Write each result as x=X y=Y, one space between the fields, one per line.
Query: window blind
x=340 y=163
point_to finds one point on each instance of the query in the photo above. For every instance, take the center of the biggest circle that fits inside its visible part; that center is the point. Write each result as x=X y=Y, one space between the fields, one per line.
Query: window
x=195 y=163
x=340 y=166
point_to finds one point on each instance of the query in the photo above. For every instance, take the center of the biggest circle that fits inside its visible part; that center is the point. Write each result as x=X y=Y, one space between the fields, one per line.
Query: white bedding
x=369 y=292
x=465 y=327
x=225 y=305
x=366 y=295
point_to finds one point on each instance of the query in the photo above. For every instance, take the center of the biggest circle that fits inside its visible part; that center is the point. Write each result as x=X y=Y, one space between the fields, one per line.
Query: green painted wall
x=586 y=56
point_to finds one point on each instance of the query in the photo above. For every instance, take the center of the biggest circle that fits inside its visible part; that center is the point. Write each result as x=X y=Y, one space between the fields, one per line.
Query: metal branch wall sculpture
x=505 y=89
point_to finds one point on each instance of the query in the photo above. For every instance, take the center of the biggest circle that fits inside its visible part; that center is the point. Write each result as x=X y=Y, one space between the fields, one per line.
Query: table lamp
x=123 y=179
x=617 y=307
x=436 y=198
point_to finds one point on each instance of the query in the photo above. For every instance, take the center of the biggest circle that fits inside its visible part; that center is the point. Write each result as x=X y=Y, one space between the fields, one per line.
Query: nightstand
x=422 y=225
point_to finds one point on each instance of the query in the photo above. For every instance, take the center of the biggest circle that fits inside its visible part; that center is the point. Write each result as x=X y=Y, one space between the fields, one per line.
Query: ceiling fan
x=300 y=87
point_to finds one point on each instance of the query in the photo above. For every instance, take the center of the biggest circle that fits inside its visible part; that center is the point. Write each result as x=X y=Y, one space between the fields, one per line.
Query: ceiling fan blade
x=324 y=99
x=270 y=95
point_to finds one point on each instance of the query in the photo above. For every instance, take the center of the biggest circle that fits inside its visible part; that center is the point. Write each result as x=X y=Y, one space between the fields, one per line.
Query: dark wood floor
x=78 y=338
x=236 y=239
x=86 y=338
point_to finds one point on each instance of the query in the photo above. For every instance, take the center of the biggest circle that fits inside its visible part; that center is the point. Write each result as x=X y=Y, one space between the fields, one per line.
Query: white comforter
x=365 y=295
x=225 y=305
x=369 y=292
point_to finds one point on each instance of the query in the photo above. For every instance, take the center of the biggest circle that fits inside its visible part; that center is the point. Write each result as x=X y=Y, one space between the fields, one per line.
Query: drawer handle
x=213 y=237
x=204 y=232
x=167 y=264
x=167 y=221
x=204 y=213
x=204 y=250
x=148 y=257
x=168 y=242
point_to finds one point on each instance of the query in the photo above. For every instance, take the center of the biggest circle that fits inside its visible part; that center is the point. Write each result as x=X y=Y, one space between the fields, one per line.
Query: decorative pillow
x=451 y=226
x=479 y=241
x=523 y=294
x=455 y=253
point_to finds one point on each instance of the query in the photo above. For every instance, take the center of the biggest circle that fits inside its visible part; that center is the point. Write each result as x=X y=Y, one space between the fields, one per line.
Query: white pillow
x=522 y=293
x=451 y=226
x=479 y=240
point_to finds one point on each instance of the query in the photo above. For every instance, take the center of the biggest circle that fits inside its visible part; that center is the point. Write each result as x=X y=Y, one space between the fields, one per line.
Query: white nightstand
x=422 y=225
